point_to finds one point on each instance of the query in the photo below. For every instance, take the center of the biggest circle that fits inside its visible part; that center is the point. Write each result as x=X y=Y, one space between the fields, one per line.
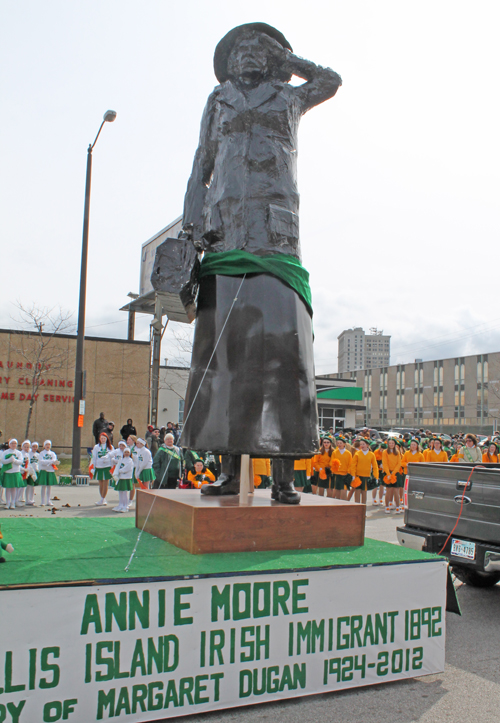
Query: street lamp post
x=109 y=117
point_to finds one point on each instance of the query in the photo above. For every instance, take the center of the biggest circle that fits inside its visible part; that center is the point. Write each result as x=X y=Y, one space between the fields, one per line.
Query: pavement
x=467 y=692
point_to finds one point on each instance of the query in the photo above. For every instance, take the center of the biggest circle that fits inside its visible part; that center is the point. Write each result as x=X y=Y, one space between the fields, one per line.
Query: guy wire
x=185 y=420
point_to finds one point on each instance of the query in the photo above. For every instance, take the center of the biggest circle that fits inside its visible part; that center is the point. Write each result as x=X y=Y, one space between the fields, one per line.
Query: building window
x=181 y=411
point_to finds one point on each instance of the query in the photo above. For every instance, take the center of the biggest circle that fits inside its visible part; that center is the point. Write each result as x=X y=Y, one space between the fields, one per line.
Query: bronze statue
x=251 y=388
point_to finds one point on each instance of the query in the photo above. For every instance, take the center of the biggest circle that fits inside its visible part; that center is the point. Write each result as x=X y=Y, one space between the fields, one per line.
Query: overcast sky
x=398 y=174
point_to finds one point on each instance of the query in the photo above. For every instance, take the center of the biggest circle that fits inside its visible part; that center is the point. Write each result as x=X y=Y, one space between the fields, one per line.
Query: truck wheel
x=475 y=578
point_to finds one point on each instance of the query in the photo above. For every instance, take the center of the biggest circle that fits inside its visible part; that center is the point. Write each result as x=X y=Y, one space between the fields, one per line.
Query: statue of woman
x=251 y=388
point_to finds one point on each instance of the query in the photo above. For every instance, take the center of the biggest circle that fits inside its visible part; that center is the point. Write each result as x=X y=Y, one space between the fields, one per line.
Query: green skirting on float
x=46 y=478
x=102 y=473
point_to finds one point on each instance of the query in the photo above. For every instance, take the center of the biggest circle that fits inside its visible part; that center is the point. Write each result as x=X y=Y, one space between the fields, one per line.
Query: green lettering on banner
x=52 y=711
x=393 y=615
x=47 y=667
x=241 y=589
x=304 y=635
x=220 y=600
x=171 y=695
x=118 y=673
x=105 y=701
x=88 y=663
x=342 y=638
x=286 y=679
x=259 y=690
x=244 y=643
x=116 y=610
x=245 y=683
x=298 y=596
x=273 y=683
x=32 y=668
x=161 y=608
x=106 y=645
x=265 y=589
x=13 y=709
x=170 y=659
x=179 y=606
x=199 y=688
x=280 y=598
x=369 y=635
x=436 y=632
x=262 y=642
x=138 y=609
x=139 y=695
x=381 y=628
x=155 y=655
x=91 y=615
x=155 y=702
x=356 y=626
x=9 y=687
x=217 y=642
x=299 y=675
x=186 y=686
x=123 y=702
x=138 y=659
x=216 y=677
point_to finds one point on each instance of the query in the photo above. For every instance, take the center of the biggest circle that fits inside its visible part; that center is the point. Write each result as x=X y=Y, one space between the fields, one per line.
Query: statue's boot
x=283 y=489
x=228 y=482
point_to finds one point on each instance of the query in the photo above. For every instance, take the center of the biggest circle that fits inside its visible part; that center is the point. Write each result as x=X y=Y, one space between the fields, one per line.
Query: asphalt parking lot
x=467 y=692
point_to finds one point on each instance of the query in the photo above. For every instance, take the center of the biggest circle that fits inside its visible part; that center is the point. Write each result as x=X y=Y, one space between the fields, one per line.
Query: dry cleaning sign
x=141 y=652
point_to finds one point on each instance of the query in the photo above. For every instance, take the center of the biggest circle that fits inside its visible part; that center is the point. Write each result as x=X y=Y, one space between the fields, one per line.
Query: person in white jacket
x=103 y=460
x=144 y=464
x=47 y=461
x=12 y=461
x=123 y=475
x=25 y=451
x=32 y=478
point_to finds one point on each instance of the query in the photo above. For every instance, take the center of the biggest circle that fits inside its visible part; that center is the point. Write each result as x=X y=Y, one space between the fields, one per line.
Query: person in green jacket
x=167 y=465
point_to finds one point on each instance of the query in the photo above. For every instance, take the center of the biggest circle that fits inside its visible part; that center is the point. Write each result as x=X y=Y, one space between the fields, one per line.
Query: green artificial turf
x=82 y=549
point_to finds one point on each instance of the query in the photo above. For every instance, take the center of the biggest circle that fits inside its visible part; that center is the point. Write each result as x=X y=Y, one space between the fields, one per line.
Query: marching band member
x=322 y=468
x=393 y=479
x=437 y=453
x=363 y=467
x=341 y=478
x=200 y=475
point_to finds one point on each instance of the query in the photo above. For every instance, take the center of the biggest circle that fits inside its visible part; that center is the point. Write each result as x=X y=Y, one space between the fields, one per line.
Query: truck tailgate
x=434 y=498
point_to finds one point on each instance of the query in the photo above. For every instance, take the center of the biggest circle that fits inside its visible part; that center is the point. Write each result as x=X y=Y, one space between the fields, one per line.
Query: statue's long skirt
x=258 y=395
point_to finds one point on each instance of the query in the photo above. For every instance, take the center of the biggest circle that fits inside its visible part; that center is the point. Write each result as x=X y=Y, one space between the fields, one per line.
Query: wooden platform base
x=201 y=525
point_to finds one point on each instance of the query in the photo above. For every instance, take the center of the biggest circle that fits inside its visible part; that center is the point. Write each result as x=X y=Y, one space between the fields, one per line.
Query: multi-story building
x=447 y=395
x=358 y=350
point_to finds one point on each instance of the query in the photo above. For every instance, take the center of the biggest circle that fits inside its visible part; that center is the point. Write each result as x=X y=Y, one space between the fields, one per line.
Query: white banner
x=143 y=652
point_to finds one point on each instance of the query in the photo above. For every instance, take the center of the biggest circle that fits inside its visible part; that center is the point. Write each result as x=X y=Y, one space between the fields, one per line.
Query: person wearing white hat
x=144 y=464
x=47 y=460
x=32 y=478
x=12 y=462
x=21 y=491
x=102 y=459
x=123 y=475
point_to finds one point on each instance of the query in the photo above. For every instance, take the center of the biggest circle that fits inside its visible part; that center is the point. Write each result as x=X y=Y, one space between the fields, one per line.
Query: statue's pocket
x=283 y=226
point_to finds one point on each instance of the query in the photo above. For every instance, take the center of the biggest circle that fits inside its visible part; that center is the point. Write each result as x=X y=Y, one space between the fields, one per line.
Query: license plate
x=461 y=548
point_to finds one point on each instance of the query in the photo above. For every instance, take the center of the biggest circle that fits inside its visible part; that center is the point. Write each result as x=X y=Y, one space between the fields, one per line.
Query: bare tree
x=37 y=345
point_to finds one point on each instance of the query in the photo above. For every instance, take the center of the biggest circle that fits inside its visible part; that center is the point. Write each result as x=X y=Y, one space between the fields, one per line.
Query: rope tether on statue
x=187 y=417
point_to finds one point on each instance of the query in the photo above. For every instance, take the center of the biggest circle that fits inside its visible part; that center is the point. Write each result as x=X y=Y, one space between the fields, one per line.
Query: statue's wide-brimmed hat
x=224 y=46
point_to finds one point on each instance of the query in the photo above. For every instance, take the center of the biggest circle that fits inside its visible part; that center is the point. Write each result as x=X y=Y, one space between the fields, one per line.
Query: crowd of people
x=348 y=465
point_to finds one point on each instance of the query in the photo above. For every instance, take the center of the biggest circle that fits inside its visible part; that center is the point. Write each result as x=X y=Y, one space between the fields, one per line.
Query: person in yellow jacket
x=437 y=453
x=302 y=473
x=377 y=448
x=363 y=467
x=200 y=475
x=491 y=455
x=321 y=467
x=341 y=470
x=261 y=472
x=430 y=447
x=393 y=478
